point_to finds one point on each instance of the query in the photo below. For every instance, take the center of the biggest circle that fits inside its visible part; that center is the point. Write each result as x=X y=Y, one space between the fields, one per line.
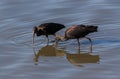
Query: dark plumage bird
x=47 y=29
x=77 y=32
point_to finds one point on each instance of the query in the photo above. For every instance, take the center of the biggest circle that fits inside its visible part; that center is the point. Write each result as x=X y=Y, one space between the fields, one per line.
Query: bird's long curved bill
x=33 y=43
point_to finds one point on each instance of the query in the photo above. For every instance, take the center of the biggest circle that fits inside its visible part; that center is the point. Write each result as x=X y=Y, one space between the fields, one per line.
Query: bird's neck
x=63 y=38
x=58 y=37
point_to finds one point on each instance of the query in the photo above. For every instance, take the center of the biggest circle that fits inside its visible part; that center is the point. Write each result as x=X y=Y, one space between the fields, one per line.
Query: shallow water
x=16 y=54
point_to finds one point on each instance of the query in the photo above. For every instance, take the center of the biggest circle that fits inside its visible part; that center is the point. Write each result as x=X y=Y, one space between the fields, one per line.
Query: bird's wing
x=74 y=31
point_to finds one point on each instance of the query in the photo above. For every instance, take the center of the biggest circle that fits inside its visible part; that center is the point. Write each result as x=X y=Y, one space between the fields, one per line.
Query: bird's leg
x=47 y=39
x=78 y=44
x=90 y=43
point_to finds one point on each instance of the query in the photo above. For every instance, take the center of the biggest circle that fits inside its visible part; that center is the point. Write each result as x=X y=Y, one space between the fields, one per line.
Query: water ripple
x=18 y=17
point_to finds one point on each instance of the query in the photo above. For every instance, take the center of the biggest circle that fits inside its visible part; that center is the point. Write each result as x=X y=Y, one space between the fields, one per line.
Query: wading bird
x=77 y=32
x=47 y=29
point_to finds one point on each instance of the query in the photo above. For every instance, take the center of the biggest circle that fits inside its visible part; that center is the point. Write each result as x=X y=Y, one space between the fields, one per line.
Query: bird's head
x=35 y=30
x=59 y=37
x=92 y=28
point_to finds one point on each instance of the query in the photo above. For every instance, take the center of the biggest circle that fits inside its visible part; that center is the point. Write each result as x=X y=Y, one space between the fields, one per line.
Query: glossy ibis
x=47 y=29
x=77 y=32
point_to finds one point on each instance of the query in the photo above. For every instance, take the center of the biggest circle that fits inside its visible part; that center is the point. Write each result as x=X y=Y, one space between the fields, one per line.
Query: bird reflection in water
x=49 y=51
x=81 y=58
x=77 y=59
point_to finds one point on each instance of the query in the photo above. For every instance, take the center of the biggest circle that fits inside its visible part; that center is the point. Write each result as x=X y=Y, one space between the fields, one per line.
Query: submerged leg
x=78 y=44
x=90 y=43
x=47 y=39
x=56 y=42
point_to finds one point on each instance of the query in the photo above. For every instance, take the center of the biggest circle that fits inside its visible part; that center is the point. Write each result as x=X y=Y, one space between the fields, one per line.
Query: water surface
x=17 y=59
